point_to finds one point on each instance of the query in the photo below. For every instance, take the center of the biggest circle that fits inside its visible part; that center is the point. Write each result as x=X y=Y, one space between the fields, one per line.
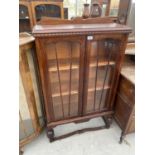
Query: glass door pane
x=63 y=60
x=101 y=57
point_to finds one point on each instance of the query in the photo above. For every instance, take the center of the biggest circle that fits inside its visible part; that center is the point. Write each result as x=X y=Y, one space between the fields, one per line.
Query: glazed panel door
x=102 y=61
x=62 y=64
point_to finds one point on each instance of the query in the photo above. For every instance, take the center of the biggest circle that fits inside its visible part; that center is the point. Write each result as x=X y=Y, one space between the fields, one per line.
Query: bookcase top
x=70 y=29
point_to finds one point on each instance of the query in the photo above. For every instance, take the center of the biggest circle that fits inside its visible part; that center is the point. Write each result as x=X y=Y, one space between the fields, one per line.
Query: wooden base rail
x=106 y=120
x=54 y=124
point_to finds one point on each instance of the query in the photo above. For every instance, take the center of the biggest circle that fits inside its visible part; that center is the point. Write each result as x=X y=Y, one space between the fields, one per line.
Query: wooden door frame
x=123 y=44
x=86 y=78
x=42 y=57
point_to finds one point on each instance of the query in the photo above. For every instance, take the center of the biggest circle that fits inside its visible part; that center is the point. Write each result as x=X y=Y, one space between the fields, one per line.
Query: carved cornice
x=77 y=33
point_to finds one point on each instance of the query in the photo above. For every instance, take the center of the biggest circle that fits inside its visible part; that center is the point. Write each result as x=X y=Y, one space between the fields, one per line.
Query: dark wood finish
x=52 y=138
x=125 y=103
x=68 y=56
x=48 y=31
x=82 y=118
x=79 y=20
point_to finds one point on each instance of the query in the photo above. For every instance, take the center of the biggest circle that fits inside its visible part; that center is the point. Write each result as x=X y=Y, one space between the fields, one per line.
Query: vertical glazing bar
x=51 y=91
x=115 y=73
x=70 y=79
x=59 y=81
x=22 y=124
x=109 y=57
x=96 y=76
x=86 y=76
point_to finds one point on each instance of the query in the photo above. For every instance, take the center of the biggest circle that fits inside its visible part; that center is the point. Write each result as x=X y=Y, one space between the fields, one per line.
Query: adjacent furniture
x=80 y=67
x=121 y=11
x=31 y=120
x=125 y=99
x=25 y=17
x=32 y=11
x=46 y=9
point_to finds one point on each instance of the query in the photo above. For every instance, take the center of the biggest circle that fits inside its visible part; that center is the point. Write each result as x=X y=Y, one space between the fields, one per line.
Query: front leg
x=21 y=151
x=107 y=121
x=50 y=134
x=122 y=137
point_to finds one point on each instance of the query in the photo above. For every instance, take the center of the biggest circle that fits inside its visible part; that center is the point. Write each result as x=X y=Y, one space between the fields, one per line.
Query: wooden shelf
x=102 y=63
x=76 y=92
x=65 y=94
x=63 y=68
x=26 y=18
x=98 y=88
x=76 y=66
x=63 y=58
